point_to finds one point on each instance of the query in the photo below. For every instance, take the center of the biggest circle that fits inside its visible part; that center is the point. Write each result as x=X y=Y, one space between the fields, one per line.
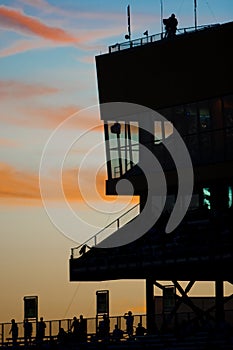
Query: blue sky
x=47 y=74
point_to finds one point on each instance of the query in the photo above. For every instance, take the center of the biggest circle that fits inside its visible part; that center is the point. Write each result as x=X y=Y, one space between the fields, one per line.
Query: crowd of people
x=77 y=333
x=28 y=329
x=107 y=332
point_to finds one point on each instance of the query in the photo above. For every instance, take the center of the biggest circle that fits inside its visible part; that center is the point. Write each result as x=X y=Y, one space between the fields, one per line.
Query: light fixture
x=116 y=128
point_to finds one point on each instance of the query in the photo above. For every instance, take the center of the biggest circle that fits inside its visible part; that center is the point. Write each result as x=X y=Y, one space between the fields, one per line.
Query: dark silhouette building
x=189 y=81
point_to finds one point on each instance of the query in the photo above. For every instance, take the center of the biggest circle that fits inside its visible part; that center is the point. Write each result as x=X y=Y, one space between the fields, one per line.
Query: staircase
x=115 y=225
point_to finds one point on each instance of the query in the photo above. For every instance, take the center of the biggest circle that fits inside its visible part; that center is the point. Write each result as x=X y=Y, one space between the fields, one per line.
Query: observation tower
x=188 y=80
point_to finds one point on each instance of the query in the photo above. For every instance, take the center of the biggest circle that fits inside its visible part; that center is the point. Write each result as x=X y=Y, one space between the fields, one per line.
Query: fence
x=155 y=37
x=53 y=326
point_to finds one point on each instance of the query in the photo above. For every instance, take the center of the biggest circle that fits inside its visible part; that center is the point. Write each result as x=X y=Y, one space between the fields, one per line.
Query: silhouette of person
x=171 y=24
x=104 y=327
x=75 y=328
x=27 y=331
x=62 y=337
x=83 y=249
x=41 y=330
x=140 y=330
x=82 y=328
x=129 y=323
x=14 y=331
x=117 y=333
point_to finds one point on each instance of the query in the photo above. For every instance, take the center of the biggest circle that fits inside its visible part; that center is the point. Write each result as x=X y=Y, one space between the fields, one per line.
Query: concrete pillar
x=219 y=300
x=150 y=307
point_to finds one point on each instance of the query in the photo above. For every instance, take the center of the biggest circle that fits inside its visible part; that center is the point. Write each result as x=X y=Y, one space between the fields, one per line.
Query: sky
x=51 y=135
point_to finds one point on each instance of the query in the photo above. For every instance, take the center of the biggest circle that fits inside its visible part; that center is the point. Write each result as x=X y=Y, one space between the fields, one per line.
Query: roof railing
x=155 y=37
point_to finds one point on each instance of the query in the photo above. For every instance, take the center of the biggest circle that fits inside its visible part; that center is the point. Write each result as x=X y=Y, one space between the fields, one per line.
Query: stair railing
x=105 y=232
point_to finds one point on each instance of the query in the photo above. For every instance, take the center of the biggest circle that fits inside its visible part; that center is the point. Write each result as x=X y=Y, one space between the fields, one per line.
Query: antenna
x=195 y=13
x=128 y=36
x=161 y=17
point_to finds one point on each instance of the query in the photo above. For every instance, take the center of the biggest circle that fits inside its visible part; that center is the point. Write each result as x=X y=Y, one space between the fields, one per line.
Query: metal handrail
x=94 y=237
x=155 y=37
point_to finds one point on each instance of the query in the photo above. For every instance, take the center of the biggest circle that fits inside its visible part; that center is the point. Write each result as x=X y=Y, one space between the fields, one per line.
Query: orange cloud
x=16 y=20
x=93 y=191
x=8 y=143
x=16 y=184
x=22 y=188
x=72 y=191
x=51 y=117
x=17 y=89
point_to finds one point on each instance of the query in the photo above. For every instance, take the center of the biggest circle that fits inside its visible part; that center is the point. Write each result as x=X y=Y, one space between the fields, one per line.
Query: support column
x=219 y=301
x=150 y=307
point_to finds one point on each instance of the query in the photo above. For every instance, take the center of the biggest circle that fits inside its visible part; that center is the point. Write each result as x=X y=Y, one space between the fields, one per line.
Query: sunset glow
x=48 y=84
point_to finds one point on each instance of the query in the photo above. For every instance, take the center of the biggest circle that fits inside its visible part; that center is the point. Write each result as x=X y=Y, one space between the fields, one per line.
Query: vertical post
x=50 y=329
x=3 y=335
x=126 y=148
x=130 y=145
x=219 y=300
x=119 y=153
x=128 y=16
x=107 y=150
x=195 y=14
x=161 y=17
x=150 y=310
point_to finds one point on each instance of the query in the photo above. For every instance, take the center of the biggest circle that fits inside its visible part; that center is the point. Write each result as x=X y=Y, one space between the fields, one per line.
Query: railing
x=53 y=326
x=105 y=232
x=154 y=37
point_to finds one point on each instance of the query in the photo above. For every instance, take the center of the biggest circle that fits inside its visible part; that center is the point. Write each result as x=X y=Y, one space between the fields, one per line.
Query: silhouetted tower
x=189 y=81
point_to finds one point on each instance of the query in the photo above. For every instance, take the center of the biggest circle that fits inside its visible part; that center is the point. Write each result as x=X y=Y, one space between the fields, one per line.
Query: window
x=206 y=197
x=122 y=143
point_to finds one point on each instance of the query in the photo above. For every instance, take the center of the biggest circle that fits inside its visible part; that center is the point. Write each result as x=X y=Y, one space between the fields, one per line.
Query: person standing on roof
x=171 y=24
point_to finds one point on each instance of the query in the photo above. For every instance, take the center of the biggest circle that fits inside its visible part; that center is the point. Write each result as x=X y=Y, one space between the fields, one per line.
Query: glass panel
x=218 y=134
x=194 y=204
x=180 y=120
x=168 y=126
x=123 y=146
x=206 y=197
x=229 y=196
x=190 y=112
x=134 y=134
x=190 y=129
x=204 y=115
x=206 y=150
x=162 y=130
x=157 y=132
